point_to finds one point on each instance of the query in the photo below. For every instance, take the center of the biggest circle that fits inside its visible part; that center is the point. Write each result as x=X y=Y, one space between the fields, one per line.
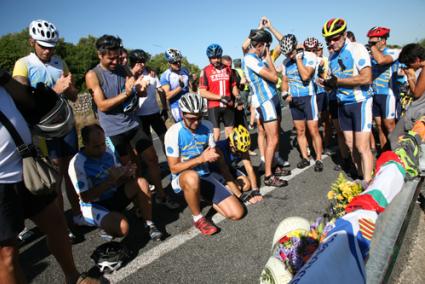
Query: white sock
x=149 y=223
x=197 y=217
x=263 y=159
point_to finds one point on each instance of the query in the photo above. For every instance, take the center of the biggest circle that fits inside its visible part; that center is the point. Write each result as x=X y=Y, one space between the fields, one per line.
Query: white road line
x=167 y=246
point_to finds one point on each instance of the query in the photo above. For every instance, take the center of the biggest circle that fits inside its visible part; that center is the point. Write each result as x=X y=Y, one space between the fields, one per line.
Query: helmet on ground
x=57 y=119
x=378 y=32
x=240 y=139
x=137 y=56
x=110 y=256
x=288 y=43
x=334 y=27
x=44 y=33
x=214 y=50
x=173 y=55
x=311 y=43
x=260 y=35
x=191 y=103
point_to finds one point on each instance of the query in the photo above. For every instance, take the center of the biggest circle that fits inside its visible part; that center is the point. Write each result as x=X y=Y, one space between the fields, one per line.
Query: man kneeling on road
x=190 y=147
x=106 y=188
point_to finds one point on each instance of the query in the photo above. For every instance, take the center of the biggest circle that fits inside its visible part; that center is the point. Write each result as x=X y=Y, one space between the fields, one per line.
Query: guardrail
x=391 y=228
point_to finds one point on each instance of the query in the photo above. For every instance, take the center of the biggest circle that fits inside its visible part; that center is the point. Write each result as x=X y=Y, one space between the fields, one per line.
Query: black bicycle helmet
x=260 y=35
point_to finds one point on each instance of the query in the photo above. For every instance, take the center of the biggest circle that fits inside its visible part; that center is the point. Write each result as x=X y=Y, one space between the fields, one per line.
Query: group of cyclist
x=343 y=92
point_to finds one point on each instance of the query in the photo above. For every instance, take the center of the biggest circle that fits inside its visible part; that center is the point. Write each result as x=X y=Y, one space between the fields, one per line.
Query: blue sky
x=192 y=25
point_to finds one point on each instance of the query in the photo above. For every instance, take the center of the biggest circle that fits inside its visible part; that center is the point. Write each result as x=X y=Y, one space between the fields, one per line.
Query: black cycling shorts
x=155 y=121
x=136 y=138
x=221 y=114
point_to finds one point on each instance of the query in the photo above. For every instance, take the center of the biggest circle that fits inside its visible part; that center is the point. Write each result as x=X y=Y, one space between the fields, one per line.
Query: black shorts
x=155 y=121
x=16 y=204
x=322 y=102
x=117 y=203
x=333 y=109
x=221 y=114
x=136 y=138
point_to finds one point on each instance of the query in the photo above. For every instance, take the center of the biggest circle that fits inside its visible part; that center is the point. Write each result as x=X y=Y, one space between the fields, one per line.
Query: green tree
x=160 y=64
x=12 y=47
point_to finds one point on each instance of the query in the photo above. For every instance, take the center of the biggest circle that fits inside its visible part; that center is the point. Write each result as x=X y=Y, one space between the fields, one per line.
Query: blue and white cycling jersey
x=86 y=172
x=383 y=74
x=263 y=89
x=36 y=71
x=298 y=87
x=181 y=142
x=172 y=78
x=346 y=63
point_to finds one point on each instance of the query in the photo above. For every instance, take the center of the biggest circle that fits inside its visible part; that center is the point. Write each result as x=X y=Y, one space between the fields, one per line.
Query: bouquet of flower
x=341 y=193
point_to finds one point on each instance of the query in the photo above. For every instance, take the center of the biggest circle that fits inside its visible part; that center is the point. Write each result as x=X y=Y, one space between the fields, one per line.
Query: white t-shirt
x=10 y=160
x=148 y=105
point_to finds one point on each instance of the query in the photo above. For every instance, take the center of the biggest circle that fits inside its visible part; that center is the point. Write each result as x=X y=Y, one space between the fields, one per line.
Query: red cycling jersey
x=217 y=81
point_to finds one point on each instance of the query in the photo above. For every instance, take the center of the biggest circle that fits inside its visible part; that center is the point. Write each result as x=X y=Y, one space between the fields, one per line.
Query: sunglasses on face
x=176 y=62
x=192 y=118
x=372 y=43
x=333 y=39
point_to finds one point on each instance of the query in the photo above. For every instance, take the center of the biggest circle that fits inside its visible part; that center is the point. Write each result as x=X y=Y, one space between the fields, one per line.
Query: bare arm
x=417 y=87
x=99 y=98
x=246 y=161
x=269 y=73
x=176 y=166
x=170 y=94
x=379 y=57
x=163 y=98
x=305 y=72
x=208 y=95
x=363 y=78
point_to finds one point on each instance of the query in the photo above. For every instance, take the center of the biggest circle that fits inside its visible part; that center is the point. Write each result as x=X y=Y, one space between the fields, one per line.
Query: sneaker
x=303 y=163
x=275 y=181
x=206 y=227
x=25 y=234
x=75 y=239
x=154 y=233
x=252 y=153
x=80 y=221
x=328 y=152
x=168 y=202
x=281 y=172
x=105 y=236
x=318 y=166
x=281 y=162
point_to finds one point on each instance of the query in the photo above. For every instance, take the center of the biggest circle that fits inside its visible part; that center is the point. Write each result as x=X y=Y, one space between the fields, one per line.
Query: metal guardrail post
x=389 y=233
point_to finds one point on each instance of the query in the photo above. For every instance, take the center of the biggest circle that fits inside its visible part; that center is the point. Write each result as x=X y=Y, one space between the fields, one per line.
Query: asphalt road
x=237 y=254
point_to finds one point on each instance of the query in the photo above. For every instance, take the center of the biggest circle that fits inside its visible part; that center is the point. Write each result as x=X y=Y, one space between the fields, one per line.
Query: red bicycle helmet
x=378 y=32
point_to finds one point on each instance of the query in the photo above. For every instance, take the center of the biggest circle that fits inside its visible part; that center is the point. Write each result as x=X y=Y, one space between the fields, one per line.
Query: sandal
x=248 y=195
x=303 y=163
x=275 y=181
x=279 y=171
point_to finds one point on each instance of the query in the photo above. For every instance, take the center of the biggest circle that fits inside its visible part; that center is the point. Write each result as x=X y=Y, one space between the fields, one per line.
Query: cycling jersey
x=217 y=81
x=36 y=71
x=298 y=87
x=262 y=89
x=347 y=63
x=181 y=143
x=172 y=79
x=383 y=74
x=86 y=172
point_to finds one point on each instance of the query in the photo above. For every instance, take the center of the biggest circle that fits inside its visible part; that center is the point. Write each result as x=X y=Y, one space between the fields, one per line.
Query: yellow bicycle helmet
x=240 y=139
x=334 y=27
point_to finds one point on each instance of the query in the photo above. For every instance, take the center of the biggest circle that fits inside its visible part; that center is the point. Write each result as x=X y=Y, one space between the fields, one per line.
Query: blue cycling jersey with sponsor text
x=298 y=87
x=263 y=89
x=383 y=74
x=347 y=63
x=182 y=143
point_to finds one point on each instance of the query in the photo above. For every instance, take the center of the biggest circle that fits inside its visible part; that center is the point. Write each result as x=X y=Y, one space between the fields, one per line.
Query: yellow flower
x=331 y=194
x=340 y=197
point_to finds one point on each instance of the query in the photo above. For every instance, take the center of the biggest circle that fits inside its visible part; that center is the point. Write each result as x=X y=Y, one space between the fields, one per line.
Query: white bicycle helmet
x=191 y=103
x=288 y=43
x=173 y=55
x=110 y=256
x=44 y=33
